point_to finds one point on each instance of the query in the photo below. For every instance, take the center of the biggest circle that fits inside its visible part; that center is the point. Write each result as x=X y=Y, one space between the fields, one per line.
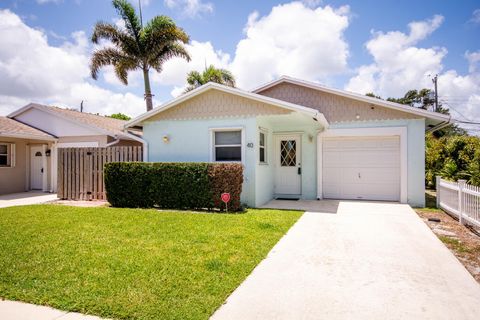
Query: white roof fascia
x=211 y=85
x=356 y=96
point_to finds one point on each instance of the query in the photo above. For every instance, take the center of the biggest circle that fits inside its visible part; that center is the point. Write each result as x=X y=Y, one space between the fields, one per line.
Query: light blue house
x=297 y=139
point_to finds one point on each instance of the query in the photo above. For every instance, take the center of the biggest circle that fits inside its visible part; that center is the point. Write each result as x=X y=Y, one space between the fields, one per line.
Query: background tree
x=120 y=116
x=196 y=79
x=137 y=47
x=423 y=99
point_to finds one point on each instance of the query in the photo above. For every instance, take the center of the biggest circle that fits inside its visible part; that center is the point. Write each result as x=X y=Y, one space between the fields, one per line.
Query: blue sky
x=355 y=45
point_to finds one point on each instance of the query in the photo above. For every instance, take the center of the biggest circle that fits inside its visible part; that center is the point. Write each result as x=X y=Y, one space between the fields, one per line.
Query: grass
x=455 y=244
x=132 y=263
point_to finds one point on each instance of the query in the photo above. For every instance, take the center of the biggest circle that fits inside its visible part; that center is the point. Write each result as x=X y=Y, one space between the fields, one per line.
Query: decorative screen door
x=288 y=178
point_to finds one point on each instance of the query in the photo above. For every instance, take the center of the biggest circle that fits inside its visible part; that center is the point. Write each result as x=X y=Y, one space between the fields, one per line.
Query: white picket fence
x=459 y=199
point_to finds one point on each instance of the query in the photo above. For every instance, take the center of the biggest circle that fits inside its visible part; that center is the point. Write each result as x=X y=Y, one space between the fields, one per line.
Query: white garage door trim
x=366 y=132
x=83 y=144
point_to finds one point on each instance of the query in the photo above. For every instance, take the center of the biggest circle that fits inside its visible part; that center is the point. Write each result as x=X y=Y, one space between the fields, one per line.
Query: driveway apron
x=367 y=261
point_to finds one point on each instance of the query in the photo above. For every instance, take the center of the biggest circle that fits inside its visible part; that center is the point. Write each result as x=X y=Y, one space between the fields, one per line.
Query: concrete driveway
x=367 y=261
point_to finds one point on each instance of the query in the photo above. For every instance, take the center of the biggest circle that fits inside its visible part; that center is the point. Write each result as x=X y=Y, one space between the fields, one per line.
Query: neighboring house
x=298 y=139
x=31 y=136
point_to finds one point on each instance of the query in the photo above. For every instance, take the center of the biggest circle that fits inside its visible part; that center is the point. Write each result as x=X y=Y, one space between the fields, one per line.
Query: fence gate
x=80 y=170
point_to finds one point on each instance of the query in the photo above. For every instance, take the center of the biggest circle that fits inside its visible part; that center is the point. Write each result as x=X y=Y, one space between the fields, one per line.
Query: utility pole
x=435 y=80
x=140 y=9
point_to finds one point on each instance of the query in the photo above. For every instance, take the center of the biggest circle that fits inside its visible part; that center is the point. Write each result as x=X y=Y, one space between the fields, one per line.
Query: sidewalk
x=14 y=310
x=25 y=198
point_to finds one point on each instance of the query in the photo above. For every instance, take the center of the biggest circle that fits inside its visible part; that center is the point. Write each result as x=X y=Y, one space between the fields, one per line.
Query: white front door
x=288 y=177
x=36 y=169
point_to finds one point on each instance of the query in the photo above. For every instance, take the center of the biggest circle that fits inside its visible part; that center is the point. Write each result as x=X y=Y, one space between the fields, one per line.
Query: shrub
x=452 y=157
x=173 y=185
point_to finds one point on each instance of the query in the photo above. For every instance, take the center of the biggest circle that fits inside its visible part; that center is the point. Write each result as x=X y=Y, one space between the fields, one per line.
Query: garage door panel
x=362 y=168
x=355 y=159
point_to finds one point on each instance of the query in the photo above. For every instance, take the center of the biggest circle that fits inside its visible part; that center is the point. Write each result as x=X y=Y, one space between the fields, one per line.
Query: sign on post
x=226 y=199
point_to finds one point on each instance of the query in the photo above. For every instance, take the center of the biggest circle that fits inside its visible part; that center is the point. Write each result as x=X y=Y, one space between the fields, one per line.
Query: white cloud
x=33 y=70
x=175 y=70
x=399 y=65
x=190 y=8
x=475 y=16
x=292 y=40
x=473 y=59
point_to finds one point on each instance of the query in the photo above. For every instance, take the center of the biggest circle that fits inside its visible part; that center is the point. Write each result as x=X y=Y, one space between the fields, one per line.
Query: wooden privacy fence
x=460 y=199
x=80 y=170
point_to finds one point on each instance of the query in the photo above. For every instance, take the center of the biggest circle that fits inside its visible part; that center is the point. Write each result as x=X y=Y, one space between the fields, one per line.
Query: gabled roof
x=241 y=93
x=104 y=125
x=387 y=104
x=15 y=129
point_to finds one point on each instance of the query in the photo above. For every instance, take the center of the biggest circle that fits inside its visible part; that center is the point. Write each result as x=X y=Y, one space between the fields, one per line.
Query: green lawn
x=132 y=263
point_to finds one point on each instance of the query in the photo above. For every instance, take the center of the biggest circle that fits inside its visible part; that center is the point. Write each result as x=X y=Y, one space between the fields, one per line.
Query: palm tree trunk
x=148 y=91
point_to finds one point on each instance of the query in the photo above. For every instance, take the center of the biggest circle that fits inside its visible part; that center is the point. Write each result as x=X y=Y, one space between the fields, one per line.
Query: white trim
x=367 y=132
x=54 y=166
x=27 y=136
x=45 y=168
x=212 y=131
x=286 y=133
x=81 y=144
x=265 y=146
x=27 y=167
x=11 y=154
x=245 y=94
x=356 y=96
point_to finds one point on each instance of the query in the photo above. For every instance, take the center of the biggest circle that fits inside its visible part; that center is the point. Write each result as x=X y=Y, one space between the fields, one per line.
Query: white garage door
x=361 y=168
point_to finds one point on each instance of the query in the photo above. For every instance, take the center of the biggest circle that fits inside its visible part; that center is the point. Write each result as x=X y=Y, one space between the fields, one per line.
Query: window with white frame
x=227 y=145
x=6 y=155
x=262 y=147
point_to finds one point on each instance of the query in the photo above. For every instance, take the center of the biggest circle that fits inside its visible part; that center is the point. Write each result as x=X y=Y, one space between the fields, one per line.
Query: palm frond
x=110 y=32
x=168 y=51
x=104 y=57
x=122 y=67
x=161 y=31
x=227 y=77
x=129 y=16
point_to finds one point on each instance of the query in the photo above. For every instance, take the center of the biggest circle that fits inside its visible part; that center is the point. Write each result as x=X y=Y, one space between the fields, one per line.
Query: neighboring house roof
x=317 y=115
x=387 y=104
x=103 y=125
x=14 y=129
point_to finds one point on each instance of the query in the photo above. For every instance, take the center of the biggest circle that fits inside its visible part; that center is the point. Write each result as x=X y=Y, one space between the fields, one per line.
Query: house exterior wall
x=265 y=173
x=334 y=108
x=17 y=178
x=189 y=141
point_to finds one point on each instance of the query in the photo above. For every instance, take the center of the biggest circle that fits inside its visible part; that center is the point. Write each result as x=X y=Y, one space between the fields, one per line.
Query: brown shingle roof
x=11 y=127
x=113 y=126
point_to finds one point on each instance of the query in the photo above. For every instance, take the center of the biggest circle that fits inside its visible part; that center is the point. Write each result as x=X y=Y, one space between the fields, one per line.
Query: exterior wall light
x=357 y=116
x=166 y=138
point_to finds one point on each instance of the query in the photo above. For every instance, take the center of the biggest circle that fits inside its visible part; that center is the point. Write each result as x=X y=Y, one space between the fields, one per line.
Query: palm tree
x=137 y=46
x=211 y=74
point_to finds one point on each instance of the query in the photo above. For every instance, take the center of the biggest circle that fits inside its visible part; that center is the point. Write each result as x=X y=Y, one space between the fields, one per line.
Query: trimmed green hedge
x=173 y=185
